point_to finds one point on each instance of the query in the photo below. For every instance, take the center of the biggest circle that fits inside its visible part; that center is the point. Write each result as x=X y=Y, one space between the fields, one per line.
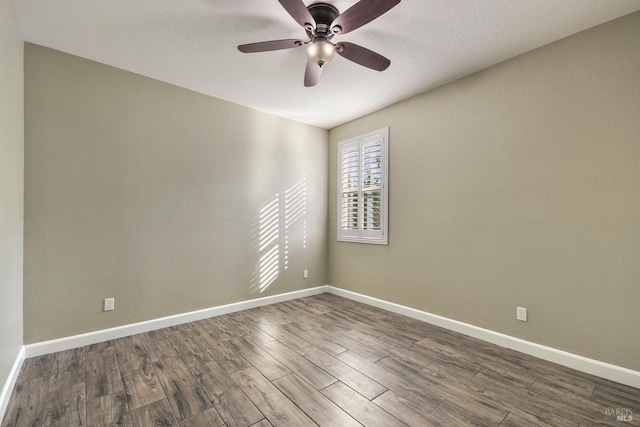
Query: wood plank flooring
x=321 y=360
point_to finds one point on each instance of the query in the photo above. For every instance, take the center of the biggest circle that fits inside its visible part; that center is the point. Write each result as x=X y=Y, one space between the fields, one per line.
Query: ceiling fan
x=322 y=22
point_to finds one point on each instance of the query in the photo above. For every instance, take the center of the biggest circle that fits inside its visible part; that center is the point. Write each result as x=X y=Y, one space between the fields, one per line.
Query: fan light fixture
x=321 y=22
x=320 y=52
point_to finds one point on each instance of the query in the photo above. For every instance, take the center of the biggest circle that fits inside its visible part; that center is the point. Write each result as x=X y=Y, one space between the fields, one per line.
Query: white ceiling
x=192 y=44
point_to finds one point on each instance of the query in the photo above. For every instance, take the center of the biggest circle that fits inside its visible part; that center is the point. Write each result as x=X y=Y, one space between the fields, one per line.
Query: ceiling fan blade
x=312 y=74
x=270 y=45
x=362 y=56
x=361 y=13
x=299 y=12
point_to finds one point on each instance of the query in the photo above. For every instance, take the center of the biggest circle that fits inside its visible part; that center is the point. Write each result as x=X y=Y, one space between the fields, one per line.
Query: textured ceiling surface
x=193 y=44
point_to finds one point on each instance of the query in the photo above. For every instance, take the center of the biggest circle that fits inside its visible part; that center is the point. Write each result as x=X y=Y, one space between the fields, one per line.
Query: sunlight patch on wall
x=295 y=209
x=279 y=230
x=268 y=244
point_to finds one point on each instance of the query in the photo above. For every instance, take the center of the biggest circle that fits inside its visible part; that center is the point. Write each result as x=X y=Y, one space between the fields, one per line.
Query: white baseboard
x=570 y=360
x=67 y=343
x=574 y=361
x=10 y=383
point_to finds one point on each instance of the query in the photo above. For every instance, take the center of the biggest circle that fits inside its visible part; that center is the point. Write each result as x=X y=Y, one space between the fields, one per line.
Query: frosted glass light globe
x=320 y=52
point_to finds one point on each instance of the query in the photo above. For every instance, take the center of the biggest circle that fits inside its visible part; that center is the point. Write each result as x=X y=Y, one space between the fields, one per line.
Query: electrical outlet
x=305 y=274
x=521 y=314
x=109 y=304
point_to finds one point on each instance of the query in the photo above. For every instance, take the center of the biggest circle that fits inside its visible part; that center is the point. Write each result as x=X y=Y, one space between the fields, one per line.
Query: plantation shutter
x=371 y=186
x=362 y=189
x=350 y=188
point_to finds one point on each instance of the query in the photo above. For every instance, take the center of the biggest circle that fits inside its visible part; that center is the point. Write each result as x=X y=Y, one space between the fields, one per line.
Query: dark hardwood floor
x=321 y=360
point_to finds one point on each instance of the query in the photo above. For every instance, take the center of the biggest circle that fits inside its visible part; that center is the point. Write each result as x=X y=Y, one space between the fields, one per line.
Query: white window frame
x=359 y=234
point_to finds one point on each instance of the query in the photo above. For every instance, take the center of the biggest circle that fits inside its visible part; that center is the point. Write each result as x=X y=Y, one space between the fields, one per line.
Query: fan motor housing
x=324 y=14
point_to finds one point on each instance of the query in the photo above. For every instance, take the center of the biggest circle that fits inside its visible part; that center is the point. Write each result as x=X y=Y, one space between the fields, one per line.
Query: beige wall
x=519 y=185
x=152 y=194
x=11 y=188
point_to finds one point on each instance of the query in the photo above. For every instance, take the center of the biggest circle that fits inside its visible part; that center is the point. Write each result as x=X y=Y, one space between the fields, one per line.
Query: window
x=362 y=188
